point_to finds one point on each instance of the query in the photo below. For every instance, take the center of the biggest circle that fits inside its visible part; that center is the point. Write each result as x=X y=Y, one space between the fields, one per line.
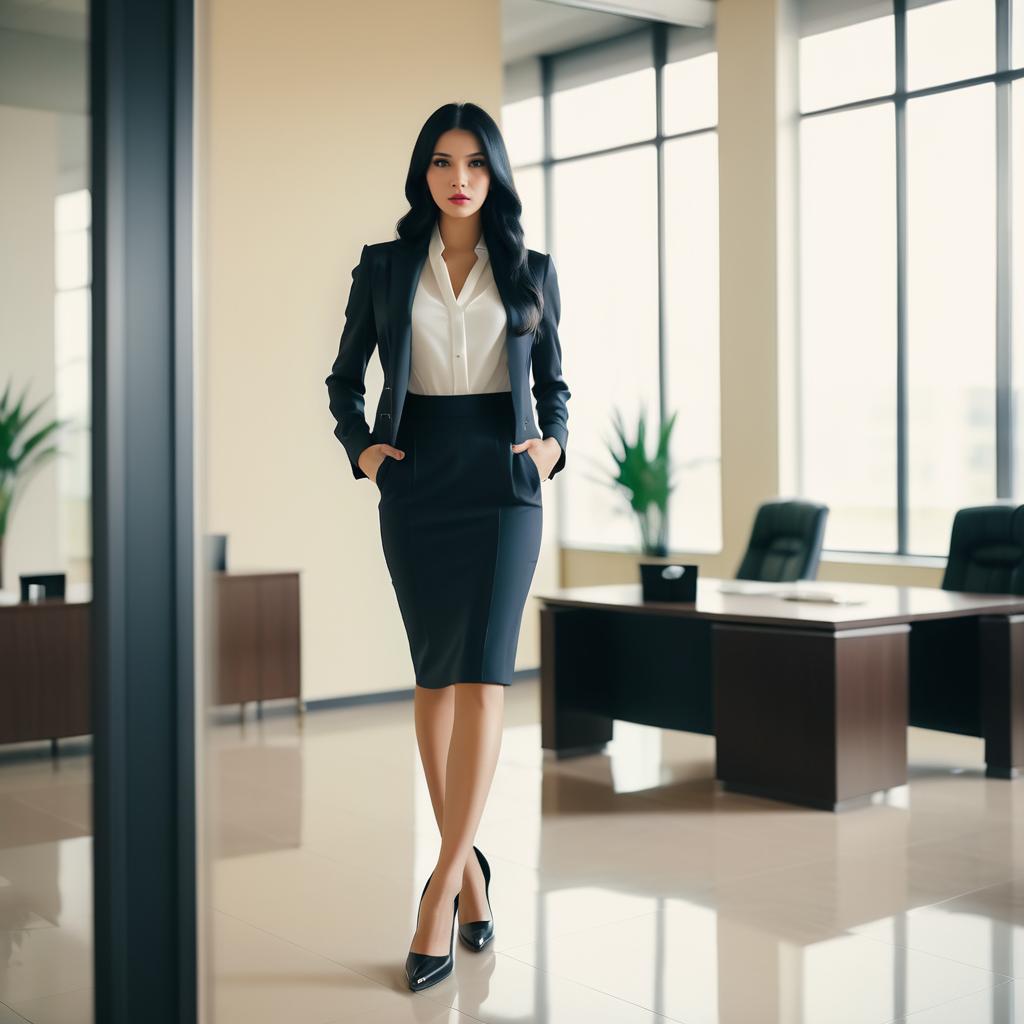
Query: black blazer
x=379 y=313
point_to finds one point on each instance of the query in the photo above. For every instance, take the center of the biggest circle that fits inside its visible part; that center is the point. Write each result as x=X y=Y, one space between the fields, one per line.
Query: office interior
x=791 y=226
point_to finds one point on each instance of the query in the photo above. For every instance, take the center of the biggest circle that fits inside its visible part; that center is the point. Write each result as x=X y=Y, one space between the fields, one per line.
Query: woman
x=460 y=311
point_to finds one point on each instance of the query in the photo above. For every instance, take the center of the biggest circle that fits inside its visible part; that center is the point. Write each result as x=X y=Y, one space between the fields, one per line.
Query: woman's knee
x=479 y=694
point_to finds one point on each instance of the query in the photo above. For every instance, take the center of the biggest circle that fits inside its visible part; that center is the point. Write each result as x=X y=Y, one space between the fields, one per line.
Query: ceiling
x=533 y=27
x=529 y=27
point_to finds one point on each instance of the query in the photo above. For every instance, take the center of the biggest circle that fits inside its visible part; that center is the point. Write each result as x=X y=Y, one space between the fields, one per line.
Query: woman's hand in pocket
x=545 y=452
x=372 y=458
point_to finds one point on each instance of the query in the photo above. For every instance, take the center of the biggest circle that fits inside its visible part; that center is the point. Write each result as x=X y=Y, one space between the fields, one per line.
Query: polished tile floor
x=626 y=887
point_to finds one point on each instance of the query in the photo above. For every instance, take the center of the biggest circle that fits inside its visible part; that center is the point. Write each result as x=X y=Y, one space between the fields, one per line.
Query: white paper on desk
x=820 y=597
x=748 y=587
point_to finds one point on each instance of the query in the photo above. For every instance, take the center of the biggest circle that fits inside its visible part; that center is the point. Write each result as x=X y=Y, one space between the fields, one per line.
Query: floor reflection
x=625 y=886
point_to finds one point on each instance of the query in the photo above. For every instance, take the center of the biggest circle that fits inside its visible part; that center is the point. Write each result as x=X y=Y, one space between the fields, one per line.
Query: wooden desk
x=45 y=654
x=809 y=703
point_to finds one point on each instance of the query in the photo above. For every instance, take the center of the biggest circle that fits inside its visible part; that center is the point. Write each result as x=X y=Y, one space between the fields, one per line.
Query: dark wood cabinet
x=45 y=655
x=44 y=671
x=258 y=655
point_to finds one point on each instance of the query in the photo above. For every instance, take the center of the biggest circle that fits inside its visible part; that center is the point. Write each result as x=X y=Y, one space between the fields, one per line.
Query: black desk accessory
x=668 y=581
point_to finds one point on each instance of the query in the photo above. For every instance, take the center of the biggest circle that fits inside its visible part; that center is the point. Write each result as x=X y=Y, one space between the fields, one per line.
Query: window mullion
x=900 y=121
x=660 y=46
x=1003 y=211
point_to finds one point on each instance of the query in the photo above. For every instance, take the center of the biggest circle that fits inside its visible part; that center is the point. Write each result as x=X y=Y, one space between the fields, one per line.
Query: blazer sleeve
x=549 y=387
x=346 y=382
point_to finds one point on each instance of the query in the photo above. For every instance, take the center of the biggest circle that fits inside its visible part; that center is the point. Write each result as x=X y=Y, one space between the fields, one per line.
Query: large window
x=628 y=208
x=909 y=365
x=72 y=356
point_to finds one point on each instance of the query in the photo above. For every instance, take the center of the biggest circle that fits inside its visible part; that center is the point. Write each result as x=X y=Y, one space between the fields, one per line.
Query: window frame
x=1002 y=78
x=658 y=33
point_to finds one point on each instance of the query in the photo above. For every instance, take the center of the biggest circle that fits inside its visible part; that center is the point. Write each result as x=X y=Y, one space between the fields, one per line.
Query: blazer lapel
x=407 y=261
x=406 y=264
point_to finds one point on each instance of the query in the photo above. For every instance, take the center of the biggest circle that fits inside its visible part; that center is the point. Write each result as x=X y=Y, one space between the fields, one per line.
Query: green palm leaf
x=21 y=452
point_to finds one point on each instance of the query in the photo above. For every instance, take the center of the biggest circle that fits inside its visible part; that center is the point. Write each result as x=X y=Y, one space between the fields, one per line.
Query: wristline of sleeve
x=355 y=443
x=558 y=431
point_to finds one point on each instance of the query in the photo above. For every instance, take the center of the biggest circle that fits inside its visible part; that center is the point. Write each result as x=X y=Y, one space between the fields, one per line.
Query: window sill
x=873 y=558
x=834 y=557
x=622 y=549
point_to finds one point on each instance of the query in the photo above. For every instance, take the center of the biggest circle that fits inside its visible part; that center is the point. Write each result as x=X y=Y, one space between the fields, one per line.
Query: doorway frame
x=142 y=627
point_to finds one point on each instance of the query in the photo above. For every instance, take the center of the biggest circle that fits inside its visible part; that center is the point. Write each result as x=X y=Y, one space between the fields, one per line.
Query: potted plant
x=20 y=455
x=646 y=481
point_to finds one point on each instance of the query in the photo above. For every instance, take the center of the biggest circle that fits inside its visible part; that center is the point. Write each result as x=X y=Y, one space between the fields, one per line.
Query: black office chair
x=785 y=543
x=986 y=556
x=986 y=550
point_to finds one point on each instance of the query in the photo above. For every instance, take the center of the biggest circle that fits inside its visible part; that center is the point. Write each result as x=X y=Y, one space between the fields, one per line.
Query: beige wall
x=28 y=185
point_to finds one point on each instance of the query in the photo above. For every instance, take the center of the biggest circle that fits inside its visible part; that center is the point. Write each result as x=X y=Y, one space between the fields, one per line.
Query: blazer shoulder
x=378 y=254
x=536 y=261
x=383 y=247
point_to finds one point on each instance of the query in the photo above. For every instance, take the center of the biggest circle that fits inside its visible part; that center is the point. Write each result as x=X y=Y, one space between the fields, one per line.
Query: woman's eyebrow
x=439 y=153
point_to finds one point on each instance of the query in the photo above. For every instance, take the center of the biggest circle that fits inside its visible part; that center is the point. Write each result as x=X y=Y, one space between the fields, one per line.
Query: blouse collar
x=437 y=243
x=441 y=268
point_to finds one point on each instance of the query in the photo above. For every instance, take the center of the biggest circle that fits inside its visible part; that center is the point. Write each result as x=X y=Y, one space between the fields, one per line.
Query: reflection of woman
x=462 y=311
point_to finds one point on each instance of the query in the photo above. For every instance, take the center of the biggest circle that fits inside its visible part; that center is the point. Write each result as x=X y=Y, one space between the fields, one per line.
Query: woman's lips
x=458 y=199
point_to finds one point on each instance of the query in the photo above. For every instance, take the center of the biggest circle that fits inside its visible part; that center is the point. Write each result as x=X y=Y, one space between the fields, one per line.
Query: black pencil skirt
x=460 y=524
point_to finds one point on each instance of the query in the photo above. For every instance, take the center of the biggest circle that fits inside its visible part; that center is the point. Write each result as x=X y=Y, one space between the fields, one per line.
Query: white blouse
x=458 y=344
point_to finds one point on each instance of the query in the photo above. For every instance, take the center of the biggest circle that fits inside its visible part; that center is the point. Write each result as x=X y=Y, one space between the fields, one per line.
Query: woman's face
x=458 y=167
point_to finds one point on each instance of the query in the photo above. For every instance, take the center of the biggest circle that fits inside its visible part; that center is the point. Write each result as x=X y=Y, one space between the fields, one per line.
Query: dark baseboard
x=228 y=714
x=385 y=696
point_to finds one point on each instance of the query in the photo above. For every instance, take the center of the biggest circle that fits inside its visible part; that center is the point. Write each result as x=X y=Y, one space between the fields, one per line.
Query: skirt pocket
x=525 y=478
x=533 y=467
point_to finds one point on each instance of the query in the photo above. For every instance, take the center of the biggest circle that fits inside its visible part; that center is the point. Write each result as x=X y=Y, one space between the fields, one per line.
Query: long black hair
x=500 y=212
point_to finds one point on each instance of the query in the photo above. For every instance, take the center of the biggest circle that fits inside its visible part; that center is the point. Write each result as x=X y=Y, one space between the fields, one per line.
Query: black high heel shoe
x=422 y=970
x=476 y=934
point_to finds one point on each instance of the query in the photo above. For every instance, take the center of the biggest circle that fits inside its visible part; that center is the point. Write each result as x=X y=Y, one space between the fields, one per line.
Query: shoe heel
x=476 y=934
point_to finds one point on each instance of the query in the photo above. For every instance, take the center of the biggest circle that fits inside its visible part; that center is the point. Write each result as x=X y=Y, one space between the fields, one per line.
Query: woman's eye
x=478 y=161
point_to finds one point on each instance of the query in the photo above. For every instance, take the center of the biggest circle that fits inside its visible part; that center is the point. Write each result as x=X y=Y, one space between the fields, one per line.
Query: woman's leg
x=469 y=770
x=434 y=716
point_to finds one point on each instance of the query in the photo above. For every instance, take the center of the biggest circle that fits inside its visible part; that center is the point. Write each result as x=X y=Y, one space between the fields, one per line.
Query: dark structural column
x=142 y=476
